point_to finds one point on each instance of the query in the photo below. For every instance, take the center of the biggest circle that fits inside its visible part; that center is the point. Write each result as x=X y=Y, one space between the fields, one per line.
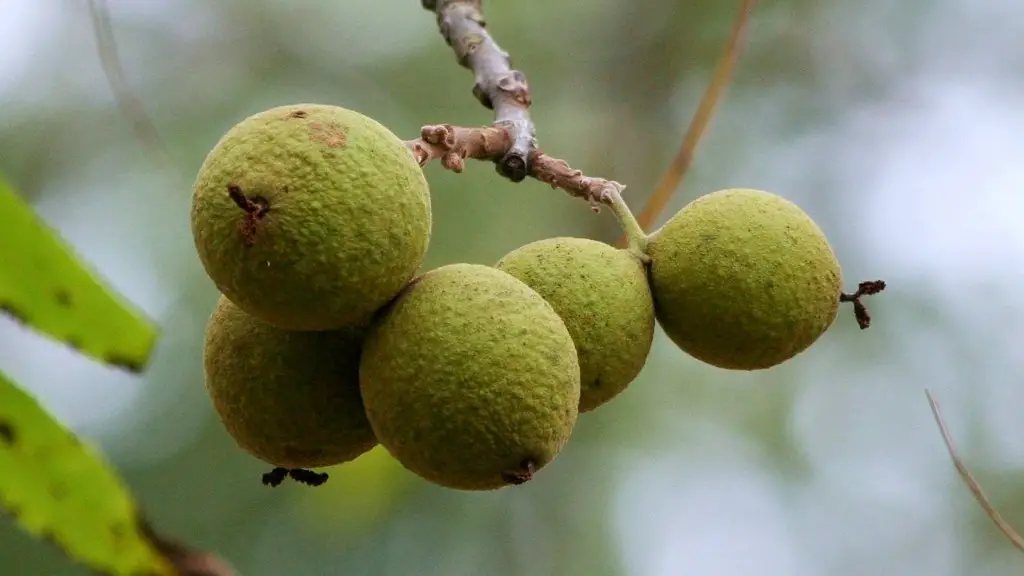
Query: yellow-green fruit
x=470 y=379
x=743 y=279
x=310 y=217
x=289 y=398
x=602 y=295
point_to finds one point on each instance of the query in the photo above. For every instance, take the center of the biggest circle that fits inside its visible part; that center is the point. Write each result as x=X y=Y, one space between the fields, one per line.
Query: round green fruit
x=289 y=398
x=602 y=295
x=743 y=279
x=470 y=379
x=310 y=217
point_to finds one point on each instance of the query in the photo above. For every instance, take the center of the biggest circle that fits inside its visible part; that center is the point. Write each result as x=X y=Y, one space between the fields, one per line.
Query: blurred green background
x=896 y=125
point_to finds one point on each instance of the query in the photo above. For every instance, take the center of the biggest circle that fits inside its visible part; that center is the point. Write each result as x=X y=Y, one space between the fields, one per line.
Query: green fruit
x=743 y=279
x=289 y=398
x=602 y=295
x=470 y=379
x=310 y=217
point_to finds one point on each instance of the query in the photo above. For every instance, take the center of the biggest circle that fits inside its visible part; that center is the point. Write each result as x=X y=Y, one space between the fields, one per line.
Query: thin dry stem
x=498 y=86
x=129 y=103
x=968 y=478
x=673 y=176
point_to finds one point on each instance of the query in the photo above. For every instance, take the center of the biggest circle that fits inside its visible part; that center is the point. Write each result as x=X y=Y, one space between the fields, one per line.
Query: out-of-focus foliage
x=59 y=489
x=44 y=286
x=891 y=123
x=56 y=486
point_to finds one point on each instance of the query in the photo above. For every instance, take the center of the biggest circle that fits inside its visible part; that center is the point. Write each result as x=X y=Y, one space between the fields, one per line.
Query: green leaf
x=58 y=488
x=45 y=286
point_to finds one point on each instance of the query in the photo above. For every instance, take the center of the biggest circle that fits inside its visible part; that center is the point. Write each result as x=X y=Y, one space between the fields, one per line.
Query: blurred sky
x=897 y=125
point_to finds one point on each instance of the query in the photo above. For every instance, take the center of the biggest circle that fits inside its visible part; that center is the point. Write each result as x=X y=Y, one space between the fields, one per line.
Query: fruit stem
x=635 y=237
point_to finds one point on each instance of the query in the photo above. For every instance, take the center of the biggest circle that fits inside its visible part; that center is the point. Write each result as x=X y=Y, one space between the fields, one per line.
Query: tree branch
x=510 y=142
x=968 y=478
x=498 y=86
x=453 y=144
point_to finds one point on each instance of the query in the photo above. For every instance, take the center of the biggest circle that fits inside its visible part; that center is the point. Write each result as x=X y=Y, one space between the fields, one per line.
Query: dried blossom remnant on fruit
x=308 y=477
x=860 y=311
x=275 y=477
x=255 y=209
x=498 y=86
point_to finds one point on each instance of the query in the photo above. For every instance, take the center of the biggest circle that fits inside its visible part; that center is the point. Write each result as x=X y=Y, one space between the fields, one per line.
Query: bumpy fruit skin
x=743 y=279
x=602 y=295
x=289 y=398
x=470 y=379
x=343 y=220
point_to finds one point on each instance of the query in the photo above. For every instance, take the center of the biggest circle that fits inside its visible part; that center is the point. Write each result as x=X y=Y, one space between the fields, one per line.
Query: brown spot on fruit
x=298 y=114
x=330 y=134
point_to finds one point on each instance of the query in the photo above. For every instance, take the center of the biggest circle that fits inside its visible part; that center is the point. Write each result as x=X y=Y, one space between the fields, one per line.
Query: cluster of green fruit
x=313 y=221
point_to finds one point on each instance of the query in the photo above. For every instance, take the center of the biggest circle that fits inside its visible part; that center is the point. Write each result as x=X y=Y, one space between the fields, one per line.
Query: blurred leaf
x=43 y=284
x=57 y=488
